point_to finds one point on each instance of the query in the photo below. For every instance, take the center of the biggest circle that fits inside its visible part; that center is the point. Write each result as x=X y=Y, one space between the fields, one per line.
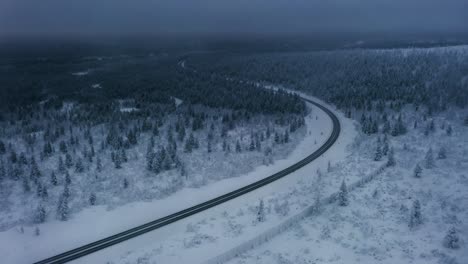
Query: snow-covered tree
x=415 y=215
x=343 y=195
x=67 y=178
x=40 y=215
x=79 y=166
x=378 y=152
x=391 y=158
x=442 y=154
x=261 y=212
x=63 y=208
x=451 y=239
x=429 y=159
x=417 y=171
x=386 y=146
x=98 y=164
x=238 y=147
x=68 y=160
x=92 y=199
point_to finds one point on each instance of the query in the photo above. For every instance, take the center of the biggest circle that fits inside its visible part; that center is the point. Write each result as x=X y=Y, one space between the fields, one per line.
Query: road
x=148 y=227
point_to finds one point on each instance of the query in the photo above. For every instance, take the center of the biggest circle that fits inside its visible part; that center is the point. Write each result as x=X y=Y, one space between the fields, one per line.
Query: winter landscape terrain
x=93 y=145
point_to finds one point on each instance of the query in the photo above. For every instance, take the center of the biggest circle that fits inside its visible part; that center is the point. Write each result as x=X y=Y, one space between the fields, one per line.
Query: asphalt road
x=148 y=227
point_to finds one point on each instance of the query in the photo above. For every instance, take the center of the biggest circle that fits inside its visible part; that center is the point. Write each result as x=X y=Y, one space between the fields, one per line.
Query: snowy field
x=21 y=245
x=377 y=226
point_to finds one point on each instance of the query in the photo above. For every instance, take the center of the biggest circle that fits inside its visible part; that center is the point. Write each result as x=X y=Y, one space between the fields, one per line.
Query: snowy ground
x=374 y=228
x=207 y=234
x=22 y=246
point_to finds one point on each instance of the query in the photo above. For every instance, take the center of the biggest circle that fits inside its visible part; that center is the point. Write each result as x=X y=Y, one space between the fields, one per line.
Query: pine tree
x=378 y=152
x=63 y=147
x=2 y=148
x=415 y=217
x=63 y=208
x=26 y=186
x=449 y=130
x=13 y=157
x=61 y=166
x=277 y=138
x=252 y=145
x=442 y=153
x=53 y=179
x=40 y=215
x=125 y=183
x=35 y=172
x=68 y=160
x=238 y=147
x=391 y=158
x=2 y=170
x=117 y=161
x=451 y=240
x=98 y=164
x=123 y=155
x=92 y=199
x=208 y=147
x=286 y=136
x=429 y=159
x=224 y=145
x=417 y=171
x=67 y=178
x=79 y=167
x=343 y=195
x=261 y=212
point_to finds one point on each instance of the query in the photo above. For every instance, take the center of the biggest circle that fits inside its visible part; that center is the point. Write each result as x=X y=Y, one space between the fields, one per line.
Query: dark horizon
x=122 y=19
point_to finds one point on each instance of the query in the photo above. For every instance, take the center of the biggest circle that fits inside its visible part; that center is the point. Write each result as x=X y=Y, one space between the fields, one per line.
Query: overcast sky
x=56 y=17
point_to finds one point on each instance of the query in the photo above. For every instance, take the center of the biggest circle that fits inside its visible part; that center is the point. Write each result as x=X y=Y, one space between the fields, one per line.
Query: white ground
x=374 y=227
x=207 y=234
x=98 y=222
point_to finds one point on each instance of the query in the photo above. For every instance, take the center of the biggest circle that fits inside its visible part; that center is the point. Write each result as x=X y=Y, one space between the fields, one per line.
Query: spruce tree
x=61 y=166
x=343 y=195
x=442 y=153
x=451 y=240
x=92 y=199
x=53 y=179
x=79 y=167
x=417 y=171
x=415 y=216
x=238 y=147
x=261 y=212
x=67 y=178
x=40 y=215
x=98 y=164
x=429 y=159
x=63 y=208
x=378 y=152
x=68 y=160
x=391 y=158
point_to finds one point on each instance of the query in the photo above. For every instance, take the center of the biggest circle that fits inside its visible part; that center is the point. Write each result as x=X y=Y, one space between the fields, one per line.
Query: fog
x=123 y=17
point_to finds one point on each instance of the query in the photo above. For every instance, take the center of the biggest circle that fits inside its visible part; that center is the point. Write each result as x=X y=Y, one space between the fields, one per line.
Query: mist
x=121 y=17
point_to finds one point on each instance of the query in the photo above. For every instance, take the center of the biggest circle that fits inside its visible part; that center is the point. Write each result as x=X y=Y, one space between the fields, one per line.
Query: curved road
x=148 y=227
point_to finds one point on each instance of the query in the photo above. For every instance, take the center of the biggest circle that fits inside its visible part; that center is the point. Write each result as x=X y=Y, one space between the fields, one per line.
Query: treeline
x=359 y=79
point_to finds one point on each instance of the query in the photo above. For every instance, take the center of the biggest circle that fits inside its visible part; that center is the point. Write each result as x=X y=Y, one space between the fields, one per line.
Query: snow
x=96 y=86
x=192 y=240
x=81 y=73
x=98 y=222
x=374 y=227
